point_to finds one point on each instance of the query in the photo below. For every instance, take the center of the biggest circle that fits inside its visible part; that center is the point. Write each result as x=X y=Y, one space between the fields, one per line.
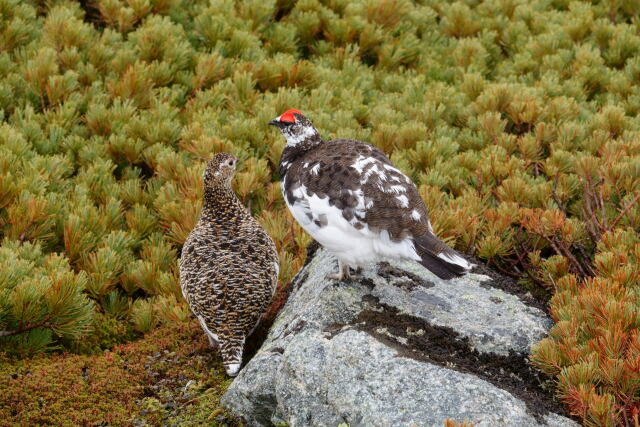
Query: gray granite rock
x=361 y=352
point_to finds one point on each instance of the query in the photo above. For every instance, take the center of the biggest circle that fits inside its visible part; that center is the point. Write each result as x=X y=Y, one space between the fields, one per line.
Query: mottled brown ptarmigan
x=350 y=197
x=228 y=267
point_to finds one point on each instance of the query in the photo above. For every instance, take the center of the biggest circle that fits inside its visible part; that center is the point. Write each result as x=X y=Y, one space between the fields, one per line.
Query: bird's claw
x=342 y=274
x=334 y=276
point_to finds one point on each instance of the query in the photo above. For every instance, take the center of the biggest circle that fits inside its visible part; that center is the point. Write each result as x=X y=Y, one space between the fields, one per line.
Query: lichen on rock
x=396 y=346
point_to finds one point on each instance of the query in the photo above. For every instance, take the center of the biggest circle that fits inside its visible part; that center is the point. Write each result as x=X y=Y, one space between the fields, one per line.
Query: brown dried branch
x=492 y=263
x=562 y=249
x=42 y=324
x=522 y=259
x=624 y=211
x=593 y=202
x=586 y=259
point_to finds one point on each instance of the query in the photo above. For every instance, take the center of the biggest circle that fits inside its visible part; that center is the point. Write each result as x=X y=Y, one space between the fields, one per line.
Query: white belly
x=354 y=247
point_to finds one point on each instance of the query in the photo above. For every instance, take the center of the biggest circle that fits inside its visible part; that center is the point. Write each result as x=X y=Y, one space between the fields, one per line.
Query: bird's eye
x=231 y=162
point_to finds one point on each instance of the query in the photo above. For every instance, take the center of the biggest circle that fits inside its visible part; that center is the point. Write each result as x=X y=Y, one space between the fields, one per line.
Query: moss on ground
x=168 y=377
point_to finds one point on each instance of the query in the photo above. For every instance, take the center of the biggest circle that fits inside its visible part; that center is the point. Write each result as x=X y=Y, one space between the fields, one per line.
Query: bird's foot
x=342 y=274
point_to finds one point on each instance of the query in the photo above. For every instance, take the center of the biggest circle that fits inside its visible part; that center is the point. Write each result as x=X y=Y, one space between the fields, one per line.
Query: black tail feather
x=438 y=266
x=428 y=247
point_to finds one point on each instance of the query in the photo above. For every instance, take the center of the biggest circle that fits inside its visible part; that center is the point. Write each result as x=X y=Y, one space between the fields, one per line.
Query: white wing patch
x=404 y=200
x=276 y=265
x=373 y=170
x=315 y=169
x=396 y=189
x=361 y=162
x=391 y=168
x=210 y=334
x=416 y=215
x=383 y=174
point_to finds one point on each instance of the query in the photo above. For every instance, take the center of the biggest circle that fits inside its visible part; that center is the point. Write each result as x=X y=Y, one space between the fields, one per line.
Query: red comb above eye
x=288 y=116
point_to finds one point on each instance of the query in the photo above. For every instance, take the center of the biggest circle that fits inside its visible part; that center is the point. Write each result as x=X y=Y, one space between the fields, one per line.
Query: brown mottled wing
x=229 y=276
x=341 y=168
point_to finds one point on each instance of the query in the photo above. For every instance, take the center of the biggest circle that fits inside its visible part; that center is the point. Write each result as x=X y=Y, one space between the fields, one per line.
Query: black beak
x=275 y=122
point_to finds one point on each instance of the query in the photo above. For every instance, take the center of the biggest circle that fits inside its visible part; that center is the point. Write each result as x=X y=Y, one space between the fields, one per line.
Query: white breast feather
x=355 y=247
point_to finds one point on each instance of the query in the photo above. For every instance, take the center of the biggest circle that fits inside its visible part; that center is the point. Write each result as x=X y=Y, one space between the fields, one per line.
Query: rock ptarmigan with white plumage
x=350 y=198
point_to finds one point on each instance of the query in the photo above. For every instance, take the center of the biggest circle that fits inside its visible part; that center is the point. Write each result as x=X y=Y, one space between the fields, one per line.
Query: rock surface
x=396 y=346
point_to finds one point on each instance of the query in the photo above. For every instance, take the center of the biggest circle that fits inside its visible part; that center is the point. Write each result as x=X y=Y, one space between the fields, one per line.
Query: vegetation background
x=517 y=119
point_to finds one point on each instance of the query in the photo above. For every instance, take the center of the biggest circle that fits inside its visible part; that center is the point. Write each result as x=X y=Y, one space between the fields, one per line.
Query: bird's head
x=295 y=127
x=219 y=171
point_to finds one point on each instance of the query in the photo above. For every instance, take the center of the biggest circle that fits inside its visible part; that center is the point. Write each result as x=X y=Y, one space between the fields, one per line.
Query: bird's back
x=361 y=181
x=229 y=272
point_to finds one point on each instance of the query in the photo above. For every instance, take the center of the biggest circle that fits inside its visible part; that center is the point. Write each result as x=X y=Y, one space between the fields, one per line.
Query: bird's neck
x=221 y=205
x=291 y=153
x=304 y=135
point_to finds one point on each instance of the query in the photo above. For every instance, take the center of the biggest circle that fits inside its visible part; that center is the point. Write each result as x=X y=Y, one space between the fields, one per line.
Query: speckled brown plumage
x=229 y=265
